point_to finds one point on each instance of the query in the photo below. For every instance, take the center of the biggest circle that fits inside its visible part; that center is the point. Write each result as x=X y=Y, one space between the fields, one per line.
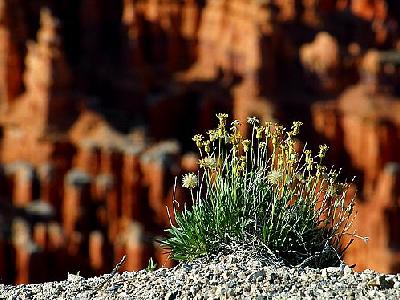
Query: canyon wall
x=99 y=101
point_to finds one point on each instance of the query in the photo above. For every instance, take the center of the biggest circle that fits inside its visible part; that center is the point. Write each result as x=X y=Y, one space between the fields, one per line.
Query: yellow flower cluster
x=223 y=142
x=262 y=184
x=271 y=146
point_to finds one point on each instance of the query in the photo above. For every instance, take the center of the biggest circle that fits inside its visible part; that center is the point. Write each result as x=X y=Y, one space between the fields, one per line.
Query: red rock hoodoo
x=99 y=100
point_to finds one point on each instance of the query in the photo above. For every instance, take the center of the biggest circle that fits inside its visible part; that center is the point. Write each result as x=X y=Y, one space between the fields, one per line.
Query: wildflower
x=207 y=162
x=292 y=158
x=222 y=118
x=295 y=128
x=241 y=164
x=290 y=144
x=213 y=135
x=207 y=146
x=277 y=134
x=252 y=120
x=220 y=132
x=299 y=204
x=246 y=144
x=234 y=139
x=235 y=125
x=309 y=160
x=273 y=177
x=322 y=151
x=267 y=126
x=198 y=140
x=189 y=181
x=278 y=129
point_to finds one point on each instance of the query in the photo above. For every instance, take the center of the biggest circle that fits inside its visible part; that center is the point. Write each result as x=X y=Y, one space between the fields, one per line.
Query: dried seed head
x=189 y=181
x=207 y=162
x=273 y=177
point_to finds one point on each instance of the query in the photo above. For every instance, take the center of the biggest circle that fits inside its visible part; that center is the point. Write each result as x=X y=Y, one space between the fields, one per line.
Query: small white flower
x=189 y=181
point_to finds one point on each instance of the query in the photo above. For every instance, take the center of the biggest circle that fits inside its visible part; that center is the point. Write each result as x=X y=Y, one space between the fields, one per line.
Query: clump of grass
x=261 y=189
x=151 y=266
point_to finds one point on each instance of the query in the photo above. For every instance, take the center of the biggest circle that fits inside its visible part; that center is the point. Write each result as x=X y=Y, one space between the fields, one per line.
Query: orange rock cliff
x=99 y=100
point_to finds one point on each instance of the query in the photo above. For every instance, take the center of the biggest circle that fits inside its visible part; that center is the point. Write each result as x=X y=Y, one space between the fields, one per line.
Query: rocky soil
x=235 y=276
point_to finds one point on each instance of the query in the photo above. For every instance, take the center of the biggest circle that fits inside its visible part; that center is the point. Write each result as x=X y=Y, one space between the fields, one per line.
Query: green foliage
x=151 y=265
x=262 y=189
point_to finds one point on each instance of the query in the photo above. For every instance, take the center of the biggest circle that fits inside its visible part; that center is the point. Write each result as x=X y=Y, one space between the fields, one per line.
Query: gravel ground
x=238 y=276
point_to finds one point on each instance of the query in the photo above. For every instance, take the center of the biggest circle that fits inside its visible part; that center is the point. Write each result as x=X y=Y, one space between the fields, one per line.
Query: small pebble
x=242 y=275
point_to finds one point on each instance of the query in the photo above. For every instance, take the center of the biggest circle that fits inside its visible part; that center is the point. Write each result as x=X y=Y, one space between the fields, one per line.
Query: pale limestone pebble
x=237 y=276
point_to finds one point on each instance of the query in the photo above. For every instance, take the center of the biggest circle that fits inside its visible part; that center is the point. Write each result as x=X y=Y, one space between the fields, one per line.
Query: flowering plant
x=264 y=192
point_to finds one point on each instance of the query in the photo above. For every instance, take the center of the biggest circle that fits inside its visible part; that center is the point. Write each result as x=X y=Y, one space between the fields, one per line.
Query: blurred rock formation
x=99 y=101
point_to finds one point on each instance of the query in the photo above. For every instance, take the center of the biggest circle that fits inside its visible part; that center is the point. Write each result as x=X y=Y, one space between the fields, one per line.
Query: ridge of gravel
x=225 y=276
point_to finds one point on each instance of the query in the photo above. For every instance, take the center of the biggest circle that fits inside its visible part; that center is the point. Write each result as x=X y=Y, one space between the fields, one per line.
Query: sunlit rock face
x=93 y=92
